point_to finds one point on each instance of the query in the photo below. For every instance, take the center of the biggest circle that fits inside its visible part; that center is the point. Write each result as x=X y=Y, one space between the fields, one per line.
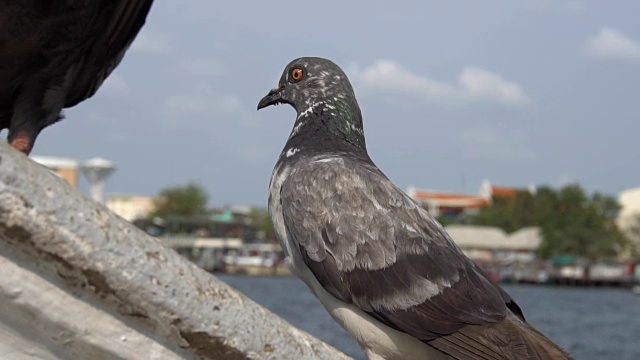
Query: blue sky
x=517 y=92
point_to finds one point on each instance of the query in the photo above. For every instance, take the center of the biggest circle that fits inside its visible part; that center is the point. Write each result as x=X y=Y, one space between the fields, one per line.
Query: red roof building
x=438 y=202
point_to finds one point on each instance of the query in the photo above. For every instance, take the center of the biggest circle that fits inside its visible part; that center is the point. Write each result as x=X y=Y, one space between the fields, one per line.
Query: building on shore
x=66 y=168
x=130 y=206
x=629 y=217
x=630 y=207
x=488 y=243
x=96 y=171
x=452 y=204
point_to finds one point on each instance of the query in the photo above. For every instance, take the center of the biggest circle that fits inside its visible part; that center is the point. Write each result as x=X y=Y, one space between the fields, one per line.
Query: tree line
x=572 y=221
x=192 y=199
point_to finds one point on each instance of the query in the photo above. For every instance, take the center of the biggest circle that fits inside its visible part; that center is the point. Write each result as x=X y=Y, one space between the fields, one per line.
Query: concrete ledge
x=78 y=282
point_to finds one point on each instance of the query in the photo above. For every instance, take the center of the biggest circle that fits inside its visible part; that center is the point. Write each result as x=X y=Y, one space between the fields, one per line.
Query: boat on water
x=255 y=259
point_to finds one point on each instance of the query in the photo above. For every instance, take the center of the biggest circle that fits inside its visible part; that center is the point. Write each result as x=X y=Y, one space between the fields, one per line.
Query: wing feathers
x=368 y=244
x=113 y=37
x=506 y=340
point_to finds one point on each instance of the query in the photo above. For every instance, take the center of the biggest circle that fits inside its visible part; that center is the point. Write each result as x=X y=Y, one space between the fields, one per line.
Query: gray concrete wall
x=78 y=282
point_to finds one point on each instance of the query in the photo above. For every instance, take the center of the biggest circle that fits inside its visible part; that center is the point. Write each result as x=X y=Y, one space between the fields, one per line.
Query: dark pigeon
x=383 y=267
x=55 y=54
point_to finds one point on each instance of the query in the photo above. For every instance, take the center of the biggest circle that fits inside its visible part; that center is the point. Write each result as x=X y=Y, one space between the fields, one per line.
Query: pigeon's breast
x=289 y=245
x=278 y=178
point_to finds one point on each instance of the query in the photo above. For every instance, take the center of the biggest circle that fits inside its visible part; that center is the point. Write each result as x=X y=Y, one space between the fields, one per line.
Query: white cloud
x=202 y=67
x=146 y=43
x=474 y=84
x=114 y=84
x=611 y=44
x=224 y=106
x=485 y=144
x=206 y=102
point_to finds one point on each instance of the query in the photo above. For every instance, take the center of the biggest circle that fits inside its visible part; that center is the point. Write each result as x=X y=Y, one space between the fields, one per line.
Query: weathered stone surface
x=77 y=281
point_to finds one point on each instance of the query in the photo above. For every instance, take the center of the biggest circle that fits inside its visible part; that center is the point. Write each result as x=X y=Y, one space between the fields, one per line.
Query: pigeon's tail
x=541 y=346
x=509 y=339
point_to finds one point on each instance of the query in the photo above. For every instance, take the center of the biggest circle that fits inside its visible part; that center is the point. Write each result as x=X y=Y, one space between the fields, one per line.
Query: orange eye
x=296 y=74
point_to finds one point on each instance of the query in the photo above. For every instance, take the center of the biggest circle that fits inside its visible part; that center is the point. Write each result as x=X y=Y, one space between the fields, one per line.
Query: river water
x=591 y=323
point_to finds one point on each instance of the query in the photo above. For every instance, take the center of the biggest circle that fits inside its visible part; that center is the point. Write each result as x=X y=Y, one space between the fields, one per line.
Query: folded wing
x=369 y=244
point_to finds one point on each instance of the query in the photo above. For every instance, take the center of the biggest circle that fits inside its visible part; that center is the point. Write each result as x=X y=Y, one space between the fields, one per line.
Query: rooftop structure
x=439 y=202
x=65 y=168
x=97 y=170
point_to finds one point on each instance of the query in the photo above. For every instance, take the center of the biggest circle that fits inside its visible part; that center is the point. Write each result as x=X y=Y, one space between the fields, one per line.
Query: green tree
x=508 y=213
x=583 y=225
x=572 y=222
x=183 y=200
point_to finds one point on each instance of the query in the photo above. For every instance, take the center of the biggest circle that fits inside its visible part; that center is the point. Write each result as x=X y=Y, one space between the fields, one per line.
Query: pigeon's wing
x=369 y=244
x=111 y=34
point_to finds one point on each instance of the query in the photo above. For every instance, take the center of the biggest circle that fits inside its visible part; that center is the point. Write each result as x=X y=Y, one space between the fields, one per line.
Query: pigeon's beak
x=272 y=98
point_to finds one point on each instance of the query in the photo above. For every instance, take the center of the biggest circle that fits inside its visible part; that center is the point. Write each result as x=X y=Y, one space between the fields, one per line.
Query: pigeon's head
x=306 y=81
x=320 y=92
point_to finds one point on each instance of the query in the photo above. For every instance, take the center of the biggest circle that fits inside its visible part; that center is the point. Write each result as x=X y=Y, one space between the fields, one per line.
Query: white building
x=629 y=216
x=630 y=202
x=488 y=242
x=65 y=168
x=130 y=206
x=439 y=202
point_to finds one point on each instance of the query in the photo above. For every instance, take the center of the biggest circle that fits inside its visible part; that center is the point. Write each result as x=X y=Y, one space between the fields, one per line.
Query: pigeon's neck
x=328 y=126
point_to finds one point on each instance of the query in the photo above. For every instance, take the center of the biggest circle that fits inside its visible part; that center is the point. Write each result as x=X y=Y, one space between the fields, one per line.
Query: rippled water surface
x=592 y=323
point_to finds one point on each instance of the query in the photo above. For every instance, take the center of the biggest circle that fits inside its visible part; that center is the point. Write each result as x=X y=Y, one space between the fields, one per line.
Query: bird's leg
x=23 y=138
x=22 y=143
x=38 y=106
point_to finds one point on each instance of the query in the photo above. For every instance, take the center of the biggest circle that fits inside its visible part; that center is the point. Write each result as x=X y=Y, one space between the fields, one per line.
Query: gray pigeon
x=55 y=54
x=383 y=267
